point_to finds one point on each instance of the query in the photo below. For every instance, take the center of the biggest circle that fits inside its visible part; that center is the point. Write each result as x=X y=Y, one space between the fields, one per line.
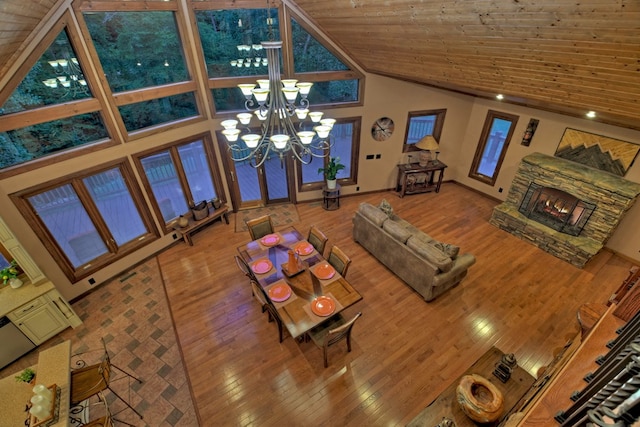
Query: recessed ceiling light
x=500 y=96
x=591 y=114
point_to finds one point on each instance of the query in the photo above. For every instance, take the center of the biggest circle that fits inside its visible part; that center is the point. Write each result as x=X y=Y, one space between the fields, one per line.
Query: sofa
x=428 y=266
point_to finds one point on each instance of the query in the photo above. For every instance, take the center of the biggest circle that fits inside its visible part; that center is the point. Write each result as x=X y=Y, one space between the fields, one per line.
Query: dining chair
x=105 y=417
x=88 y=381
x=267 y=306
x=339 y=260
x=332 y=331
x=317 y=239
x=259 y=227
x=244 y=267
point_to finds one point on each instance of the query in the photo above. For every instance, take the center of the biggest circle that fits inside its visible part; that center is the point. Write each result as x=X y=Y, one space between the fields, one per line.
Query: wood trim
x=437 y=128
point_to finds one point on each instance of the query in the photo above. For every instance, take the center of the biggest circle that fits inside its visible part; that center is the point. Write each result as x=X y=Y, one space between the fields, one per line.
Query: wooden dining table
x=296 y=311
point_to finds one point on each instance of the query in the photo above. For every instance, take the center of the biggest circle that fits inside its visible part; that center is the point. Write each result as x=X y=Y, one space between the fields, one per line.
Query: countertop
x=52 y=368
x=10 y=298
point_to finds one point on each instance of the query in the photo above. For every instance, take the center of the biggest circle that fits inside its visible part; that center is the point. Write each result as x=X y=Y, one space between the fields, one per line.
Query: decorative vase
x=15 y=283
x=183 y=221
x=216 y=203
x=331 y=184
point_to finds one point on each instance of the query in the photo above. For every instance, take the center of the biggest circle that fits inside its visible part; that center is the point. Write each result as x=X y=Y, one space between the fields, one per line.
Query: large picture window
x=421 y=124
x=345 y=137
x=179 y=176
x=89 y=221
x=492 y=147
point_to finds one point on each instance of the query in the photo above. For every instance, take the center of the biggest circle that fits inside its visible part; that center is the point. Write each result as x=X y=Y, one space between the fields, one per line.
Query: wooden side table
x=331 y=198
x=413 y=178
x=214 y=214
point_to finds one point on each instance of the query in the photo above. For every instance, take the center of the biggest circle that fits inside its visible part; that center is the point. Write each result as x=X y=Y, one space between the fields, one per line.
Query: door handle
x=233 y=177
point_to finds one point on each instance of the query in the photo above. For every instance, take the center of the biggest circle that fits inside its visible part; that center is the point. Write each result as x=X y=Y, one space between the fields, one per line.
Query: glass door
x=249 y=187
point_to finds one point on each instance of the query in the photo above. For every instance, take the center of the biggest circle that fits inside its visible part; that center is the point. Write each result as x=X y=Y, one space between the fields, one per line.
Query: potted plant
x=26 y=375
x=10 y=275
x=331 y=170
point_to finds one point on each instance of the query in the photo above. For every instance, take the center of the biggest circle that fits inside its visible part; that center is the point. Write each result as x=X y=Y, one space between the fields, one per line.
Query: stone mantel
x=612 y=195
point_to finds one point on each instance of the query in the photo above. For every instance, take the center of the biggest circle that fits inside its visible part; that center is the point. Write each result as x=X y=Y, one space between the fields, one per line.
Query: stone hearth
x=612 y=195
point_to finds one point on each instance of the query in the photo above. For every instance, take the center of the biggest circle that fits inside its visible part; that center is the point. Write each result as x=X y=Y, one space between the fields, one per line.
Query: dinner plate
x=324 y=271
x=280 y=292
x=303 y=248
x=270 y=240
x=262 y=266
x=323 y=306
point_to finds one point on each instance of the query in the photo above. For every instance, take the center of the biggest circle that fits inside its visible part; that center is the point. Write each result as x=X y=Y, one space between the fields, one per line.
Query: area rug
x=281 y=215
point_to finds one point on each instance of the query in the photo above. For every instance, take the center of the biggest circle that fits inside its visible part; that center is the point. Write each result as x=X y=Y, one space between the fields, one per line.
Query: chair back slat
x=339 y=260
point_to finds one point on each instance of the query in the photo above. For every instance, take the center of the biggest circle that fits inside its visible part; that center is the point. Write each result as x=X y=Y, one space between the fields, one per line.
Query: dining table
x=303 y=297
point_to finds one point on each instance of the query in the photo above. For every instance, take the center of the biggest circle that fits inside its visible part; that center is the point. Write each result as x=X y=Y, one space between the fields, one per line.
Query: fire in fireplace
x=556 y=209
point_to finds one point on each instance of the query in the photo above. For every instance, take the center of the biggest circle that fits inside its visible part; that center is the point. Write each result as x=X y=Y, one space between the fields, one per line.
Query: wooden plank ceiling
x=562 y=55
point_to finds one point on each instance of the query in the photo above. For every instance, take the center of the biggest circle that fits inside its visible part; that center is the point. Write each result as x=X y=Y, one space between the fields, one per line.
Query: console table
x=413 y=178
x=214 y=214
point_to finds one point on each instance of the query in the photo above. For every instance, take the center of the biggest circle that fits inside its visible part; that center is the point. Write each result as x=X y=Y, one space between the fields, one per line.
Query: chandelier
x=67 y=75
x=275 y=103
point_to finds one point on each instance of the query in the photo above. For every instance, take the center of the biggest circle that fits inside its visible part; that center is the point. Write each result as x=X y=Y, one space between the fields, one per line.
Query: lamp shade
x=428 y=143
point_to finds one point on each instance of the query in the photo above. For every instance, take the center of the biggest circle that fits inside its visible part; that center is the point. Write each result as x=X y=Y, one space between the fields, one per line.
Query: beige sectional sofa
x=428 y=266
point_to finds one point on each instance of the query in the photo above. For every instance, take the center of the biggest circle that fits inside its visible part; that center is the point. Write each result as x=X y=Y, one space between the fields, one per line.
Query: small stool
x=331 y=198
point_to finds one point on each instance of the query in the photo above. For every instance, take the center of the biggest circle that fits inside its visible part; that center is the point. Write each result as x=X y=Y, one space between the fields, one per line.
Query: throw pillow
x=386 y=208
x=431 y=254
x=372 y=213
x=447 y=248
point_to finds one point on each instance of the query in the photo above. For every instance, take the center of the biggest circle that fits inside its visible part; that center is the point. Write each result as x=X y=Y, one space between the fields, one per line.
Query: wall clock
x=382 y=129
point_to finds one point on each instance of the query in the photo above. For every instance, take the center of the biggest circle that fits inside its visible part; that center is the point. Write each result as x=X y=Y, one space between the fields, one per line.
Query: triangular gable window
x=310 y=55
x=55 y=78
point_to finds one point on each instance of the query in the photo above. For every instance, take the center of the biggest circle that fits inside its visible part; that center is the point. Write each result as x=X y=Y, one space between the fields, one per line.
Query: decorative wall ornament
x=600 y=152
x=529 y=132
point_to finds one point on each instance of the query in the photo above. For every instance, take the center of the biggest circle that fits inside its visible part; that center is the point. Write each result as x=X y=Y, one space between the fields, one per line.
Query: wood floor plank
x=405 y=351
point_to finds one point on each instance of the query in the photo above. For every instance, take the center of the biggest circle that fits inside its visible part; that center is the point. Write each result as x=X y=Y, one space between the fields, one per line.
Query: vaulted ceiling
x=568 y=56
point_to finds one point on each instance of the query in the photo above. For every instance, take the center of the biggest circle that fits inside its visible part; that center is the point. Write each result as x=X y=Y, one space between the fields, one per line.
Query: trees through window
x=492 y=147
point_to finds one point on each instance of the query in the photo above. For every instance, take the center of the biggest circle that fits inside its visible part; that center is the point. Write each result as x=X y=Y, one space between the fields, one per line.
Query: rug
x=281 y=215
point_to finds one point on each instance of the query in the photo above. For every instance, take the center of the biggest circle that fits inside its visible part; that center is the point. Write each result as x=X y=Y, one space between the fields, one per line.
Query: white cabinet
x=44 y=317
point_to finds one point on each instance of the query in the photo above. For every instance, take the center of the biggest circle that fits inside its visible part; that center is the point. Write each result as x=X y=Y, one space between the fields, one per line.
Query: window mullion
x=182 y=177
x=94 y=214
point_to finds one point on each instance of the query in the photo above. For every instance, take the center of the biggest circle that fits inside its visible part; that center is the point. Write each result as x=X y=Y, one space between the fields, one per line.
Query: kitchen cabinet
x=43 y=317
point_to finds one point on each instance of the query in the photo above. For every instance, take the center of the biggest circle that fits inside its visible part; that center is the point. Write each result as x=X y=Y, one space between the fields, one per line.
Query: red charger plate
x=304 y=248
x=323 y=306
x=262 y=266
x=280 y=292
x=324 y=271
x=270 y=240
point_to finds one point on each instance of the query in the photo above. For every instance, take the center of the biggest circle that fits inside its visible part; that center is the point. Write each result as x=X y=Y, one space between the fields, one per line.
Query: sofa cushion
x=386 y=208
x=397 y=231
x=449 y=249
x=372 y=213
x=430 y=253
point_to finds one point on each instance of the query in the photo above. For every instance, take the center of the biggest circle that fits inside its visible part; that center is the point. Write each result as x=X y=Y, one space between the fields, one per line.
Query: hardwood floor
x=405 y=351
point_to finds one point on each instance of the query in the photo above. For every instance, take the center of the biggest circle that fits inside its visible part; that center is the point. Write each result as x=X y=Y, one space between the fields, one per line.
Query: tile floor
x=132 y=314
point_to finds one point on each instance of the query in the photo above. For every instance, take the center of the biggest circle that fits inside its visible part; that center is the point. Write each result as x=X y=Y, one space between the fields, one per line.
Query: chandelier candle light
x=273 y=102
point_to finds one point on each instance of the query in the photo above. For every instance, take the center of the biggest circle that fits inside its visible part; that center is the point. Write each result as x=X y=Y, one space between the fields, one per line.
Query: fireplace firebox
x=556 y=209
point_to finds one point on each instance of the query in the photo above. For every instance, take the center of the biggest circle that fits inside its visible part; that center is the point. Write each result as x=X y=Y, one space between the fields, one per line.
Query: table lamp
x=427 y=144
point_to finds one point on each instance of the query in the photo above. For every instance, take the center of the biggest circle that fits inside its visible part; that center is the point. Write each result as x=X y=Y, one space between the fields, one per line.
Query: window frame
x=352 y=179
x=284 y=15
x=482 y=145
x=115 y=252
x=172 y=147
x=437 y=127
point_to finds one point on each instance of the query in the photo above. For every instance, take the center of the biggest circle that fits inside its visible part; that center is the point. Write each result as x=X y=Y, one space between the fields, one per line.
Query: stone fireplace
x=564 y=208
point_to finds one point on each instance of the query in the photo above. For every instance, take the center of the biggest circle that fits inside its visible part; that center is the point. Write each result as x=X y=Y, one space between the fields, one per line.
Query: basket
x=200 y=211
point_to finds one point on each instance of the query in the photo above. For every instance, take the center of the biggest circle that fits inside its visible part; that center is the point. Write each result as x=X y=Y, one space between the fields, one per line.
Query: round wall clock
x=382 y=129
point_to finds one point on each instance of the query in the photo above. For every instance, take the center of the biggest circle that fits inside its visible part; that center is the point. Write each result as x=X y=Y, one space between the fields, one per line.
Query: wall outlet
x=378 y=156
x=369 y=156
x=357 y=188
x=92 y=281
x=175 y=236
x=500 y=190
